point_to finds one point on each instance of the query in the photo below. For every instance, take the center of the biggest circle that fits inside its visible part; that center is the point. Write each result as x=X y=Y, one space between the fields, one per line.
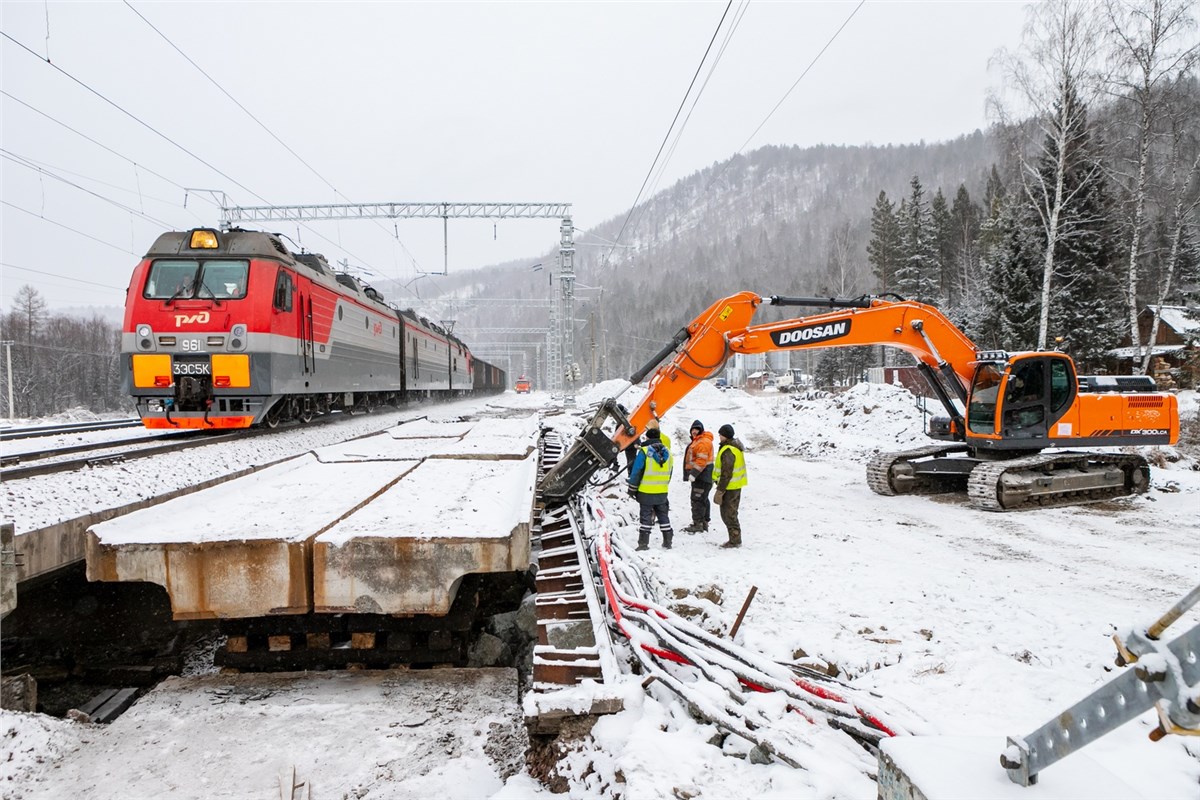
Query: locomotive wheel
x=306 y=411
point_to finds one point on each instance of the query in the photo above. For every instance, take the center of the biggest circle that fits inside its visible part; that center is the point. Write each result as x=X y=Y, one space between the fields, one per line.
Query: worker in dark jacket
x=648 y=483
x=729 y=473
x=698 y=468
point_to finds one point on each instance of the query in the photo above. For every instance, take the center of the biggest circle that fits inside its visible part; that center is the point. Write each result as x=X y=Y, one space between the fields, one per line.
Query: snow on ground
x=37 y=502
x=981 y=624
x=984 y=624
x=364 y=735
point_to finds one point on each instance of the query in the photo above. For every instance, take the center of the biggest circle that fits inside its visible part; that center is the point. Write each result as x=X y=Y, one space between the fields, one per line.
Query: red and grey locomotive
x=228 y=329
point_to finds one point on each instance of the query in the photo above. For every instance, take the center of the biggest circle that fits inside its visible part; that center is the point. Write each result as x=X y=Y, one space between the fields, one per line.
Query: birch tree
x=1054 y=77
x=1149 y=46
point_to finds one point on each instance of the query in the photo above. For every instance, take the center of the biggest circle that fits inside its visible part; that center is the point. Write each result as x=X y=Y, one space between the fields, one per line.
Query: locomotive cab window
x=186 y=279
x=283 y=292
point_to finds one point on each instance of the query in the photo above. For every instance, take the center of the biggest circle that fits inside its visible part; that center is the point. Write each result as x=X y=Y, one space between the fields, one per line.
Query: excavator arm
x=944 y=353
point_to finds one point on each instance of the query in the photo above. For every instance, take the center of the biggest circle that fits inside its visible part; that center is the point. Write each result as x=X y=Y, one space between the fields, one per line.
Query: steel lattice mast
x=561 y=369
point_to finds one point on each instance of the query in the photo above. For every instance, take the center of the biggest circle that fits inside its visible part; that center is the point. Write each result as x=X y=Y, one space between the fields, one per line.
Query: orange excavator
x=1008 y=414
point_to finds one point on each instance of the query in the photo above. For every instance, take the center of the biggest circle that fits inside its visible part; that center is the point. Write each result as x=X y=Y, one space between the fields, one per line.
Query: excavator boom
x=702 y=348
x=1004 y=409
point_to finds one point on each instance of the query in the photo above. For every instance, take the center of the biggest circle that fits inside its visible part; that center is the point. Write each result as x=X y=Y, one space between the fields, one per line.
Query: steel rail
x=12 y=459
x=12 y=434
x=72 y=465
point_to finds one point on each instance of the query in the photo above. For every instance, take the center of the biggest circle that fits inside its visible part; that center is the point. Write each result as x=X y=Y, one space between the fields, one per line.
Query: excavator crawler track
x=1049 y=480
x=891 y=473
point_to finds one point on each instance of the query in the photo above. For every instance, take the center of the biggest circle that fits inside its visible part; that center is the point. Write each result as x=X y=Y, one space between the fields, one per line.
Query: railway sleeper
x=339 y=641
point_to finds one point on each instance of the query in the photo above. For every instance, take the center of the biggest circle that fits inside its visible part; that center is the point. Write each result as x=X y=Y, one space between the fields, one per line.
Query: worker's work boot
x=643 y=542
x=696 y=527
x=731 y=543
x=666 y=543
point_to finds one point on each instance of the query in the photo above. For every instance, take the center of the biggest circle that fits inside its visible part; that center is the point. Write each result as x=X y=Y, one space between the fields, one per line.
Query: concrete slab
x=241 y=549
x=395 y=734
x=405 y=552
x=433 y=429
x=954 y=767
x=484 y=439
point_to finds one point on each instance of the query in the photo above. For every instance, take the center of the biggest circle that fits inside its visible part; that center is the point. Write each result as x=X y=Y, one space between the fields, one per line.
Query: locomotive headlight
x=203 y=240
x=144 y=341
x=237 y=334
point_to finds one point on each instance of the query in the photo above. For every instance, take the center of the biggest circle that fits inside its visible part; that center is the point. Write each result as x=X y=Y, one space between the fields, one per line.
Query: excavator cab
x=1014 y=400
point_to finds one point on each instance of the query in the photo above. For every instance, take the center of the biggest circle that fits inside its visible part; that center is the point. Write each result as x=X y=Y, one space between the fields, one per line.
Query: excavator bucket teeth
x=590 y=452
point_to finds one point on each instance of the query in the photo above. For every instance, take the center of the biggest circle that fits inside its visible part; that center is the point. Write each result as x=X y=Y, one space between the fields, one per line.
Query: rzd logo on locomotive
x=187 y=319
x=807 y=334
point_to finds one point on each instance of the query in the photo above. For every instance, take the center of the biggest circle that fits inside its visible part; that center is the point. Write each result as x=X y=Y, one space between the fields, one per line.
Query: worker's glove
x=633 y=492
x=685 y=477
x=718 y=497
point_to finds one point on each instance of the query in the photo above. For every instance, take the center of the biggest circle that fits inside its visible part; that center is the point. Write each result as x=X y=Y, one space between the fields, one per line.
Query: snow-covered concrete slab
x=432 y=429
x=953 y=767
x=240 y=549
x=484 y=439
x=405 y=552
x=384 y=447
x=434 y=733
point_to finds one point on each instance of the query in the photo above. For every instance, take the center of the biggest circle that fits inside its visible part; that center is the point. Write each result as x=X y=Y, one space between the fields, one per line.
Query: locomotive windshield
x=185 y=279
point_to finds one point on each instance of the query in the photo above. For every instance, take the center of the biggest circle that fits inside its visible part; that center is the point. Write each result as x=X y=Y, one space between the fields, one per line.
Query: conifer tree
x=945 y=247
x=965 y=223
x=883 y=251
x=917 y=277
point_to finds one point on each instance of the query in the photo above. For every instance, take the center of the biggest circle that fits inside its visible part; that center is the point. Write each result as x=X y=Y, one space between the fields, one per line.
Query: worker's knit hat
x=652 y=433
x=726 y=430
x=698 y=426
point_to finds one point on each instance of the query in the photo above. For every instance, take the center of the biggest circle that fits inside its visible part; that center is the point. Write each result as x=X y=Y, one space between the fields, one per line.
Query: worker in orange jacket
x=698 y=468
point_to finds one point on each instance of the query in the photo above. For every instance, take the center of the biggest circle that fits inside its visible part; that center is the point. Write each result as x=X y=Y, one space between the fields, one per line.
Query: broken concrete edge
x=212 y=580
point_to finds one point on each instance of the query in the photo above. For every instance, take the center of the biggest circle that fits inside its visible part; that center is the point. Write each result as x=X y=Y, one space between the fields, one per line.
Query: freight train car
x=230 y=329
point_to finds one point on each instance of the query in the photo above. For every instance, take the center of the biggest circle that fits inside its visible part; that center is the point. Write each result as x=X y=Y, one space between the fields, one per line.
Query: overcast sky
x=504 y=102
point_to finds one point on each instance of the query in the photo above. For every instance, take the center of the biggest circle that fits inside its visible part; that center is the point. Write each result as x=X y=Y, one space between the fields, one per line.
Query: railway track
x=128 y=450
x=15 y=434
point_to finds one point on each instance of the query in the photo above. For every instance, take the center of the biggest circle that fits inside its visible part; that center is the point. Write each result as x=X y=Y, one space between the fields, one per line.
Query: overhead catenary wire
x=99 y=144
x=675 y=119
x=6 y=265
x=20 y=160
x=786 y=94
x=160 y=134
x=264 y=126
x=68 y=227
x=738 y=15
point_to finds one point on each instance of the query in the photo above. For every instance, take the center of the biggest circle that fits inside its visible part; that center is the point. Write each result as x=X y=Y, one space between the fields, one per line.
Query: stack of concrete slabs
x=240 y=549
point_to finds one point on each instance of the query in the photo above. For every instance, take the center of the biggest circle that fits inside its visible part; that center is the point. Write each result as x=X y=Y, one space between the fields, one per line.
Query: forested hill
x=778 y=220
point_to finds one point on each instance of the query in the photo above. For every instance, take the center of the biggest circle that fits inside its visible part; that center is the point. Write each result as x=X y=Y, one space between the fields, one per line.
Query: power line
x=738 y=15
x=159 y=133
x=259 y=122
x=99 y=144
x=64 y=277
x=816 y=58
x=679 y=110
x=118 y=187
x=68 y=227
x=16 y=159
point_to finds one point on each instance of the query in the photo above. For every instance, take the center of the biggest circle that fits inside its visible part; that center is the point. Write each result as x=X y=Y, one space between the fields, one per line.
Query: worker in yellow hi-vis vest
x=729 y=473
x=648 y=483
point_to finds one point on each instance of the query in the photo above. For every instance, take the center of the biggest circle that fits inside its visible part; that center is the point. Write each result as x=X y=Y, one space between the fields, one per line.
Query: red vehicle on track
x=523 y=386
x=230 y=329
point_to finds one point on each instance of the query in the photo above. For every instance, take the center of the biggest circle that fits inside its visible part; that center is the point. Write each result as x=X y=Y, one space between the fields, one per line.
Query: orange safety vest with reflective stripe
x=737 y=476
x=656 y=478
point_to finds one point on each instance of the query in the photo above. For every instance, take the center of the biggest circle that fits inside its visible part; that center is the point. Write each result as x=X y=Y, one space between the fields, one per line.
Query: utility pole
x=8 y=357
x=593 y=316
